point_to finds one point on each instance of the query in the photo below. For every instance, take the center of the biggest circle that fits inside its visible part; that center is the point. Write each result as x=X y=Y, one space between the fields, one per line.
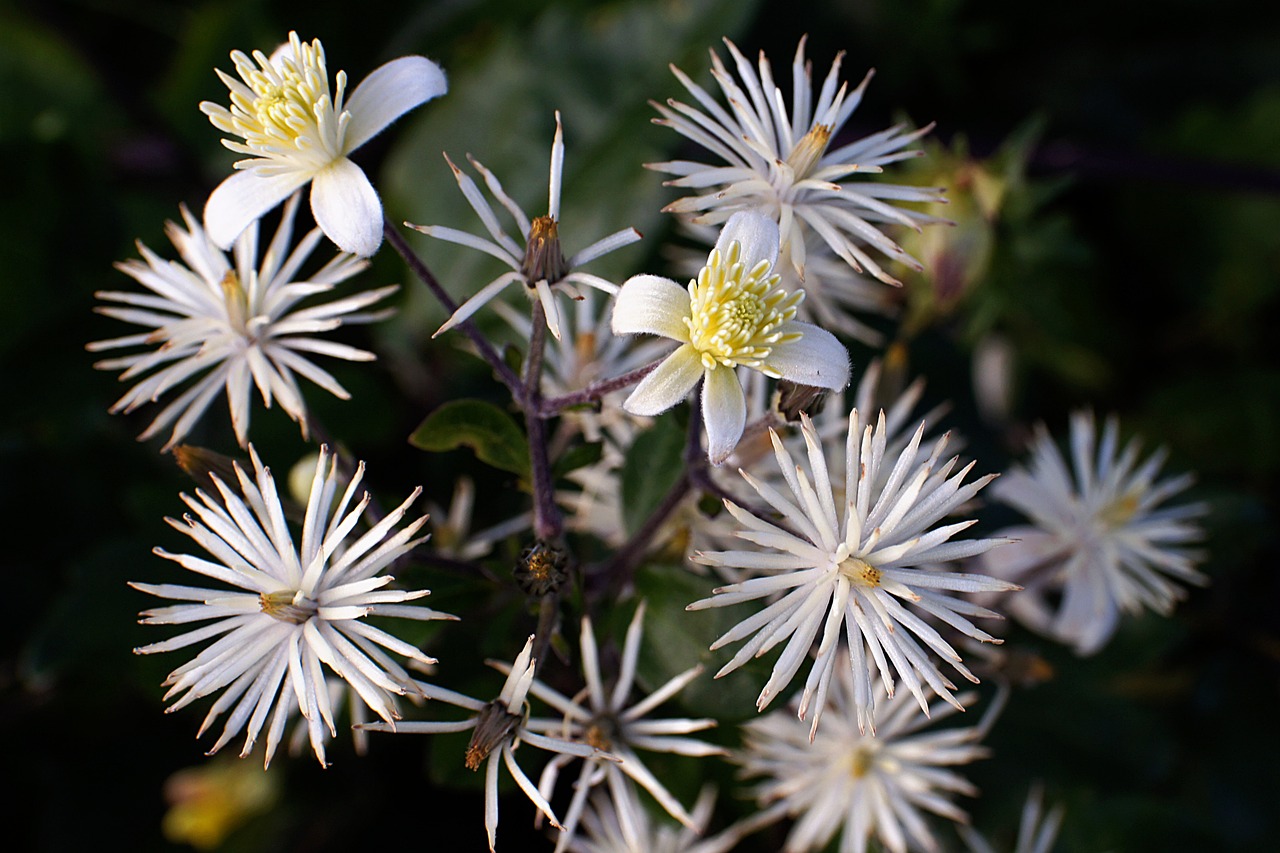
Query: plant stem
x=505 y=374
x=547 y=522
x=596 y=390
x=620 y=568
x=548 y=608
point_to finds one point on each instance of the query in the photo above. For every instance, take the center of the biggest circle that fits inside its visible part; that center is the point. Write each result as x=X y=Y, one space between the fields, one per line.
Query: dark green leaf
x=578 y=456
x=492 y=433
x=676 y=640
x=653 y=465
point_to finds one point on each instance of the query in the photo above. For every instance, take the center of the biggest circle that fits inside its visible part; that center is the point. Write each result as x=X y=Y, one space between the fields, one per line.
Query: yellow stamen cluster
x=860 y=572
x=284 y=110
x=287 y=606
x=809 y=150
x=735 y=313
x=1118 y=512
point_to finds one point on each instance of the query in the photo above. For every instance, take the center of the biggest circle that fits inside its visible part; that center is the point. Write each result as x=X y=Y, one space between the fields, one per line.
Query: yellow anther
x=735 y=313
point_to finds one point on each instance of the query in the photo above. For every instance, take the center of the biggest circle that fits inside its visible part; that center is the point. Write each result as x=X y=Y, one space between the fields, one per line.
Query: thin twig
x=547 y=522
x=594 y=392
x=483 y=347
x=548 y=609
x=619 y=569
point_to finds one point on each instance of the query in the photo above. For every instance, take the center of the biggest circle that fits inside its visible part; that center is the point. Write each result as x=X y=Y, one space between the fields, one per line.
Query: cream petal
x=757 y=233
x=668 y=384
x=390 y=92
x=347 y=209
x=724 y=411
x=244 y=197
x=652 y=305
x=816 y=359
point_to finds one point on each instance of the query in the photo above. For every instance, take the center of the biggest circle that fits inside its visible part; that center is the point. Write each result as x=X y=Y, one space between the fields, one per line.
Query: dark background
x=1135 y=270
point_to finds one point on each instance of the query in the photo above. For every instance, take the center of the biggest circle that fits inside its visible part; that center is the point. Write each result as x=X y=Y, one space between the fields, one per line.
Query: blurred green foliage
x=1133 y=264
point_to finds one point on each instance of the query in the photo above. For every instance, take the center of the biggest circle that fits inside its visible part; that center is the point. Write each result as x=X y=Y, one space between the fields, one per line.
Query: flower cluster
x=837 y=514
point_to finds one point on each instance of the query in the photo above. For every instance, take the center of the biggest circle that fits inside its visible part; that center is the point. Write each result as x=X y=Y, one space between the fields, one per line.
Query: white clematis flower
x=540 y=264
x=213 y=323
x=287 y=608
x=780 y=160
x=1101 y=541
x=732 y=315
x=295 y=130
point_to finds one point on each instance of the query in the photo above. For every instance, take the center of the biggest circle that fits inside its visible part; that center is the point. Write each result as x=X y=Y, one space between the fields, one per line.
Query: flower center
x=543 y=257
x=860 y=572
x=860 y=761
x=287 y=605
x=735 y=313
x=236 y=301
x=809 y=150
x=600 y=735
x=287 y=114
x=1120 y=511
x=494 y=725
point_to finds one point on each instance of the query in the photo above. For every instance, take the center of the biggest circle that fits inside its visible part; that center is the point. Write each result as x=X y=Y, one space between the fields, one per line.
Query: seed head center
x=1118 y=512
x=736 y=313
x=860 y=572
x=287 y=606
x=543 y=257
x=860 y=761
x=809 y=150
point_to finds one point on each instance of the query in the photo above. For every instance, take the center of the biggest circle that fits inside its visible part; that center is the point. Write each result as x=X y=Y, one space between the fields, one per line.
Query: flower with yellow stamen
x=1101 y=542
x=295 y=129
x=864 y=557
x=780 y=160
x=732 y=315
x=214 y=324
x=540 y=264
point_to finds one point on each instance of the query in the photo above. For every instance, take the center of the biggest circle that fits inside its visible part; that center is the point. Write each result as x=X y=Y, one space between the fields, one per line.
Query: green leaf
x=676 y=640
x=578 y=456
x=653 y=465
x=492 y=433
x=504 y=92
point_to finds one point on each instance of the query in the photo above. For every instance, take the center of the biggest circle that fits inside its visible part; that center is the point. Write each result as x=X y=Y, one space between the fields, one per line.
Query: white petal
x=757 y=233
x=724 y=410
x=242 y=198
x=390 y=92
x=652 y=305
x=347 y=209
x=668 y=384
x=816 y=359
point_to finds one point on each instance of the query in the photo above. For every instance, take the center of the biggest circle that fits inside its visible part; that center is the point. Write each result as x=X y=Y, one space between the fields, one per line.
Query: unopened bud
x=794 y=398
x=543 y=257
x=494 y=725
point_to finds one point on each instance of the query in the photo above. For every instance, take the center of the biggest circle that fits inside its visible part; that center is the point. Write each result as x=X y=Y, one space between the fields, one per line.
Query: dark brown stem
x=548 y=609
x=620 y=568
x=594 y=392
x=547 y=522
